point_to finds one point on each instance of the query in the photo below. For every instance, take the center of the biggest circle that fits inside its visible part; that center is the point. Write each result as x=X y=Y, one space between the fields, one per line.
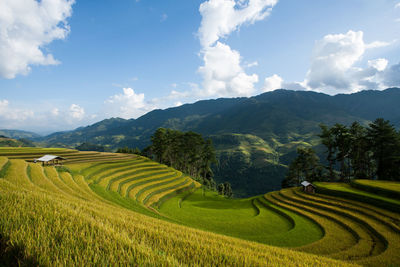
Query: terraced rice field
x=71 y=155
x=107 y=209
x=58 y=216
x=354 y=231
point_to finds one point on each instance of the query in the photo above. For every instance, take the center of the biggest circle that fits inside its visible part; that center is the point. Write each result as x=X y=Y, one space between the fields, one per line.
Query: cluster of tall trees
x=354 y=152
x=305 y=167
x=188 y=152
x=225 y=189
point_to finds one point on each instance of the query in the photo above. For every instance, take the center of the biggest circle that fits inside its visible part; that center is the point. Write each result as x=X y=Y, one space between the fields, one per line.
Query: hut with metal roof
x=308 y=187
x=50 y=160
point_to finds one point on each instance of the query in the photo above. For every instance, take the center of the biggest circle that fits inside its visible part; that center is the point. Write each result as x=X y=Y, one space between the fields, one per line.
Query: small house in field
x=50 y=160
x=308 y=187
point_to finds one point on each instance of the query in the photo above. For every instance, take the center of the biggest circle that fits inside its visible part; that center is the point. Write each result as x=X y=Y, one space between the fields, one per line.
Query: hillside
x=283 y=119
x=18 y=134
x=43 y=208
x=11 y=142
x=131 y=210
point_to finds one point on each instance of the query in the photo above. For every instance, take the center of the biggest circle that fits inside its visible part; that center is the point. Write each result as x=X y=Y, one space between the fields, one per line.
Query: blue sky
x=65 y=64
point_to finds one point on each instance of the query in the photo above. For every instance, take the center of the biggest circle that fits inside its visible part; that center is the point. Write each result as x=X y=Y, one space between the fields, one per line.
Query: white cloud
x=177 y=104
x=272 y=83
x=397 y=5
x=252 y=64
x=3 y=106
x=222 y=73
x=43 y=117
x=176 y=94
x=332 y=65
x=379 y=64
x=377 y=44
x=8 y=113
x=127 y=105
x=76 y=112
x=221 y=17
x=276 y=82
x=55 y=111
x=26 y=26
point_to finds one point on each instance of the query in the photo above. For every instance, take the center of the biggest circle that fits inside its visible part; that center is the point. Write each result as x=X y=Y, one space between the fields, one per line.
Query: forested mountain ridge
x=274 y=112
x=282 y=120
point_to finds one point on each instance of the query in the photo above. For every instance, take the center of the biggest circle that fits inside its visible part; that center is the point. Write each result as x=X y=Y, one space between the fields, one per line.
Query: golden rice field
x=116 y=209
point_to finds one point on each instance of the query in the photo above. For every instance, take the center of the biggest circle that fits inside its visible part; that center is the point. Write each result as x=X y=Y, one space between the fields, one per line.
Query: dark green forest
x=353 y=152
x=188 y=152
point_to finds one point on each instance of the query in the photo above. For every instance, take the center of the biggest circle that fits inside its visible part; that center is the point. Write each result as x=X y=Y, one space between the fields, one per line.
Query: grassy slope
x=375 y=232
x=357 y=192
x=388 y=185
x=243 y=218
x=310 y=223
x=40 y=225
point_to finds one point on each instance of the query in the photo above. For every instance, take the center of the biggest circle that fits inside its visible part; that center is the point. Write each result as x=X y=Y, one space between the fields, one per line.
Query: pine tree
x=305 y=167
x=360 y=154
x=328 y=140
x=385 y=145
x=342 y=141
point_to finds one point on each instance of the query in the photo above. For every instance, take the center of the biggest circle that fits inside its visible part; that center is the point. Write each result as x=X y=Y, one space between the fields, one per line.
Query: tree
x=90 y=147
x=228 y=189
x=328 y=139
x=185 y=151
x=384 y=142
x=304 y=167
x=360 y=154
x=158 y=140
x=342 y=140
x=225 y=189
x=221 y=189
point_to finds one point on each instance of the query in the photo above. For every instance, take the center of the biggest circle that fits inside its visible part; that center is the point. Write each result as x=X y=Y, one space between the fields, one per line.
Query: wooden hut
x=308 y=187
x=50 y=160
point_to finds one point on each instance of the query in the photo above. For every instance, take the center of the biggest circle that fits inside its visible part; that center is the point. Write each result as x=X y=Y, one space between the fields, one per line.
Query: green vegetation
x=347 y=191
x=305 y=167
x=10 y=142
x=369 y=235
x=128 y=209
x=358 y=152
x=57 y=218
x=248 y=219
x=251 y=165
x=90 y=147
x=187 y=152
x=385 y=188
x=225 y=189
x=129 y=150
x=363 y=153
x=18 y=134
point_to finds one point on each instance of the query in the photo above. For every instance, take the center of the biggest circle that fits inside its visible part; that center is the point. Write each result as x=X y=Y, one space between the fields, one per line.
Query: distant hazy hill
x=255 y=137
x=17 y=134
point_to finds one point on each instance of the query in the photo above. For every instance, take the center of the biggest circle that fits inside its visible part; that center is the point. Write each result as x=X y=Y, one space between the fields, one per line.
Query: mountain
x=11 y=142
x=17 y=134
x=255 y=137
